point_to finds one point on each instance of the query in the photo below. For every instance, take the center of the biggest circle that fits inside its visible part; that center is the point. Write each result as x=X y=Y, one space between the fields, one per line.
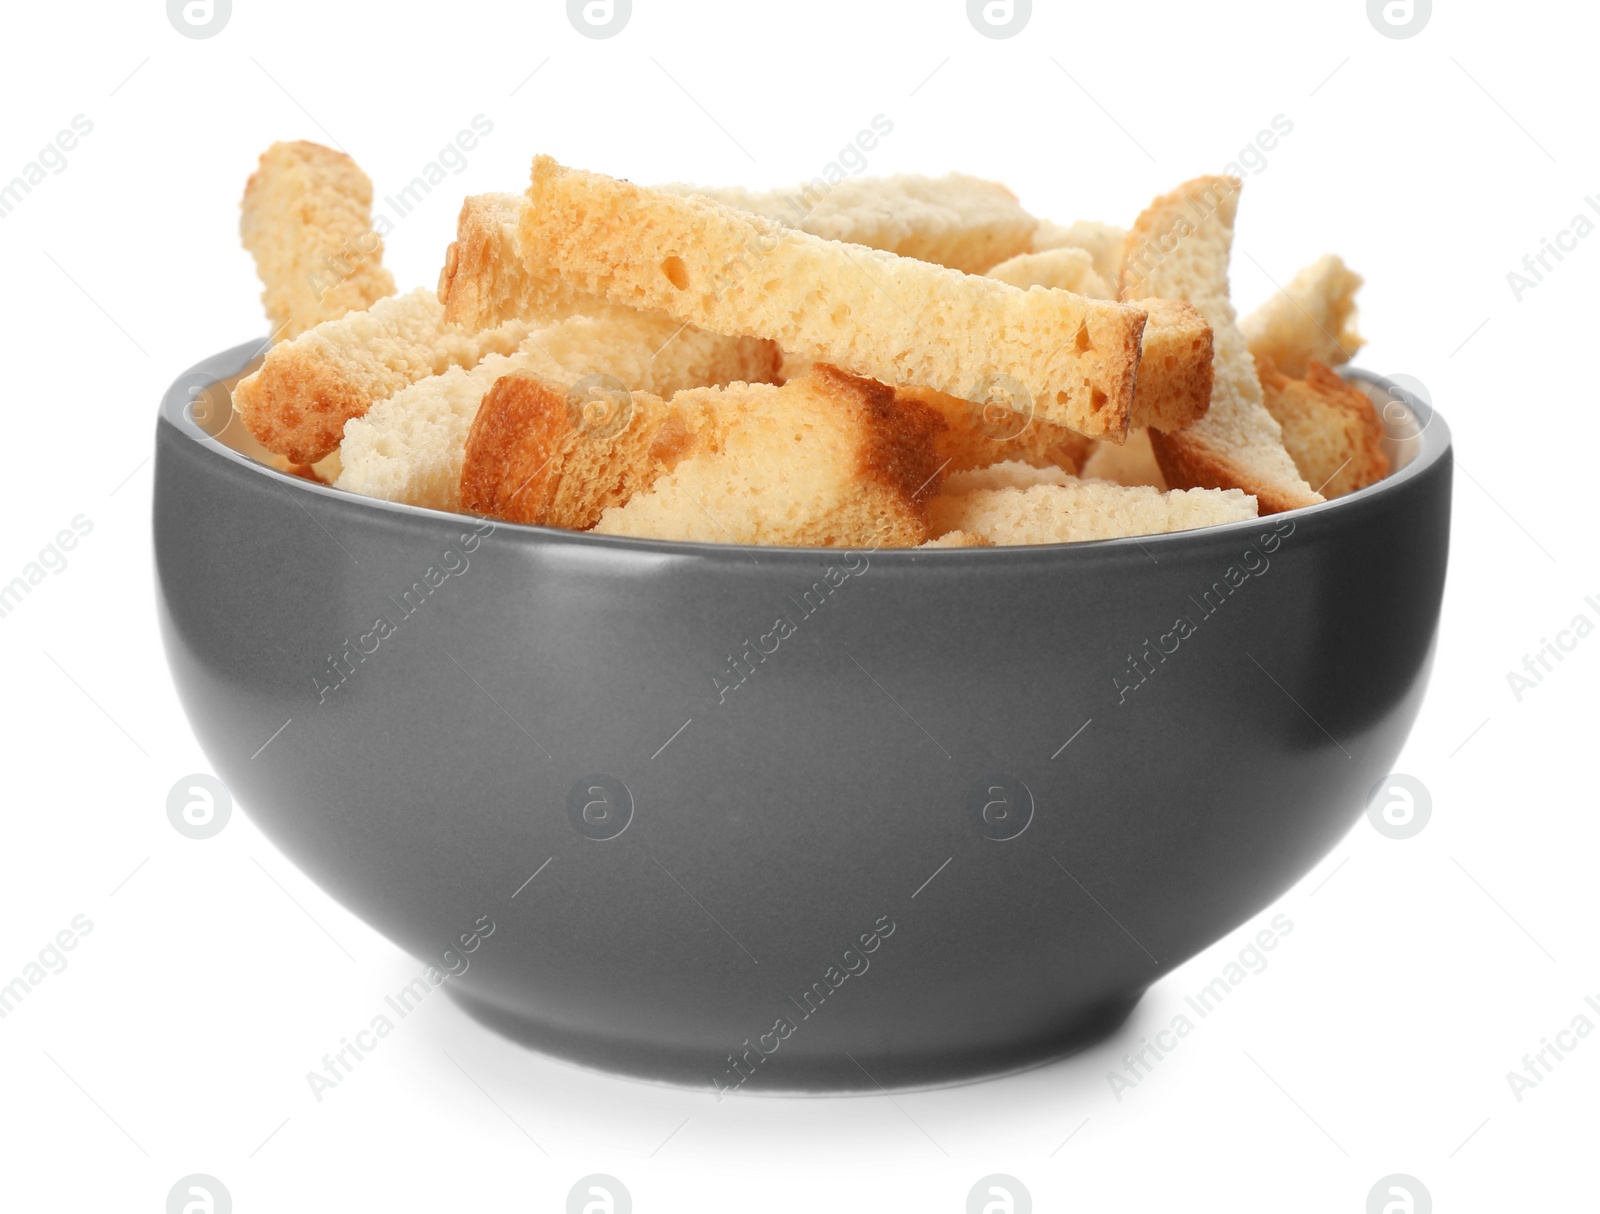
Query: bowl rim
x=1433 y=445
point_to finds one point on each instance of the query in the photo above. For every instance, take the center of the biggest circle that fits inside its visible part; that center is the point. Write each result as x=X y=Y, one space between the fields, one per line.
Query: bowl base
x=858 y=1072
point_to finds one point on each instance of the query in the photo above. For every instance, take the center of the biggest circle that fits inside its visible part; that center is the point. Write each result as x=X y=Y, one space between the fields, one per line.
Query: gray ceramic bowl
x=782 y=819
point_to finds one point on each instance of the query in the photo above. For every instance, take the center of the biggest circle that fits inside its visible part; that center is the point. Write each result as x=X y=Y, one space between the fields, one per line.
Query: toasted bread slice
x=306 y=218
x=484 y=281
x=826 y=460
x=307 y=388
x=1313 y=318
x=535 y=455
x=410 y=447
x=1329 y=427
x=1176 y=369
x=1050 y=513
x=976 y=435
x=1133 y=463
x=963 y=222
x=1179 y=249
x=870 y=312
x=1067 y=269
x=1175 y=352
x=1102 y=241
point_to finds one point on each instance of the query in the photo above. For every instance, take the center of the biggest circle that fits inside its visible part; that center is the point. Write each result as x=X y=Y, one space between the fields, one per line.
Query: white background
x=1418 y=972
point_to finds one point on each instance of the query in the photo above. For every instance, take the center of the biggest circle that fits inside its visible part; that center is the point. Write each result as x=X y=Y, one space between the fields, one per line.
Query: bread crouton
x=1179 y=249
x=977 y=435
x=1102 y=241
x=410 y=447
x=537 y=454
x=1329 y=427
x=872 y=313
x=1313 y=318
x=963 y=222
x=485 y=282
x=1074 y=510
x=1068 y=269
x=307 y=388
x=826 y=460
x=1175 y=352
x=306 y=218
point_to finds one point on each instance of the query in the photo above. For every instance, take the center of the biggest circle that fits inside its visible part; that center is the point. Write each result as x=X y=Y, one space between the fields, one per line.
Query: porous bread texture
x=1067 y=269
x=410 y=447
x=1329 y=426
x=976 y=435
x=307 y=388
x=485 y=282
x=792 y=366
x=959 y=221
x=1133 y=463
x=980 y=433
x=958 y=539
x=1007 y=474
x=827 y=460
x=534 y=456
x=1174 y=382
x=1313 y=318
x=1176 y=369
x=1179 y=249
x=1102 y=241
x=306 y=218
x=871 y=313
x=1075 y=510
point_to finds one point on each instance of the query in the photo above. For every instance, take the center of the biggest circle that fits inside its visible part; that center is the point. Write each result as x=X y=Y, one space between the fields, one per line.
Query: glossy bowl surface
x=792 y=820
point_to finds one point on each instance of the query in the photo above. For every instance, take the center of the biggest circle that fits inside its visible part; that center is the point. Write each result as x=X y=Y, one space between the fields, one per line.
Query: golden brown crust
x=1175 y=367
x=309 y=387
x=509 y=445
x=899 y=452
x=892 y=318
x=1329 y=427
x=534 y=456
x=483 y=282
x=303 y=406
x=976 y=434
x=1190 y=465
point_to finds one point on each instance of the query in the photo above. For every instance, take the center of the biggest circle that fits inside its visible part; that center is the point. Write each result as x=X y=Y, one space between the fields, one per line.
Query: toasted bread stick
x=1074 y=510
x=1312 y=319
x=976 y=435
x=1102 y=241
x=306 y=217
x=485 y=282
x=828 y=460
x=307 y=388
x=1068 y=269
x=410 y=447
x=536 y=454
x=1179 y=249
x=963 y=222
x=869 y=312
x=1329 y=427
